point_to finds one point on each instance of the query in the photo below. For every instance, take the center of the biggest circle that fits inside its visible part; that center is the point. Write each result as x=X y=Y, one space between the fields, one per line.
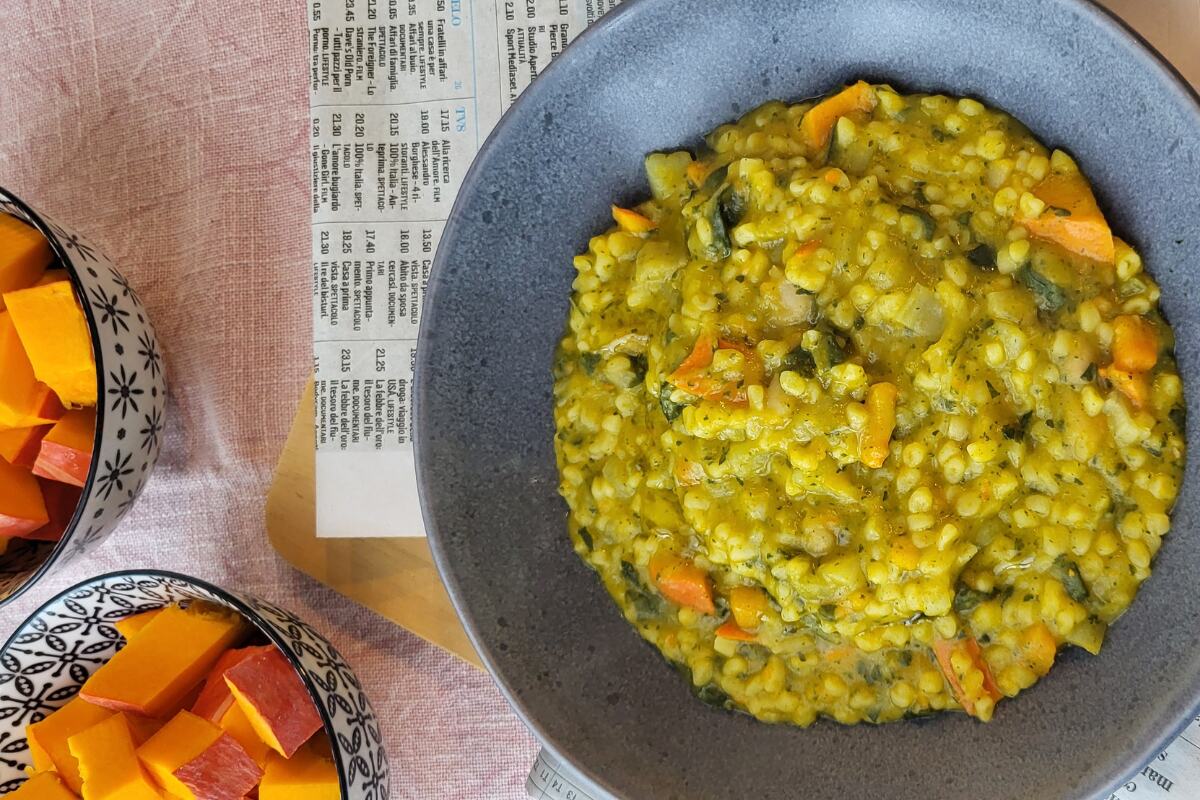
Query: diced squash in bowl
x=308 y=775
x=48 y=739
x=22 y=508
x=43 y=786
x=65 y=454
x=24 y=255
x=160 y=666
x=108 y=762
x=48 y=389
x=183 y=713
x=55 y=336
x=24 y=400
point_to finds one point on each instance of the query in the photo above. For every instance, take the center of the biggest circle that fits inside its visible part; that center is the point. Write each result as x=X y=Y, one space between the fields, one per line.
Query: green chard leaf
x=982 y=256
x=670 y=409
x=1067 y=572
x=1048 y=295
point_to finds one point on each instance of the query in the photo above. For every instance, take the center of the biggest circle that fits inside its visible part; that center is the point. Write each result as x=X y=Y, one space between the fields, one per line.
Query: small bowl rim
x=60 y=252
x=238 y=605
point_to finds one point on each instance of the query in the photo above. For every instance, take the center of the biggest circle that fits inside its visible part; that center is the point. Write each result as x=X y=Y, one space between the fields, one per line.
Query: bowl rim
x=237 y=604
x=60 y=547
x=1122 y=35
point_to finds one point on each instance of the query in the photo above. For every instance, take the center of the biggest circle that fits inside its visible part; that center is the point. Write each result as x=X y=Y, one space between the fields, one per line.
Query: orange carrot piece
x=699 y=385
x=748 y=604
x=873 y=442
x=1133 y=385
x=944 y=650
x=682 y=582
x=1072 y=219
x=631 y=221
x=1134 y=344
x=711 y=388
x=731 y=630
x=741 y=347
x=754 y=371
x=699 y=358
x=688 y=473
x=697 y=172
x=1038 y=648
x=833 y=176
x=807 y=247
x=818 y=121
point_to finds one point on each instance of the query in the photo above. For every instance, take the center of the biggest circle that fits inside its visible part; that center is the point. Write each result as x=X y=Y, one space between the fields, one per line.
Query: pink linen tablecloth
x=175 y=135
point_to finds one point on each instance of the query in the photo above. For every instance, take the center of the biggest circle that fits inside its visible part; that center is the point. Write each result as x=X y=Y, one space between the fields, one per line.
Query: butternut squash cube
x=274 y=699
x=48 y=739
x=816 y=126
x=109 y=764
x=51 y=276
x=193 y=759
x=55 y=335
x=24 y=255
x=154 y=673
x=61 y=501
x=235 y=722
x=215 y=698
x=1072 y=219
x=308 y=775
x=22 y=509
x=142 y=728
x=24 y=401
x=66 y=451
x=43 y=786
x=130 y=626
x=20 y=446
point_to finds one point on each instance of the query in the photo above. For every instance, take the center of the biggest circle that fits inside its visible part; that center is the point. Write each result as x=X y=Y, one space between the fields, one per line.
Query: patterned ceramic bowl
x=132 y=392
x=49 y=657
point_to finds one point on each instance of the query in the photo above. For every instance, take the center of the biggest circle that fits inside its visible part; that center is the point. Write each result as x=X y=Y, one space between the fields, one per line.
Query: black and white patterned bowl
x=54 y=651
x=132 y=399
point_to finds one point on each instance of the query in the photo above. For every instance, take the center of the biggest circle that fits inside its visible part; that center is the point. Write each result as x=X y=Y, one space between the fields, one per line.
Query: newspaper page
x=403 y=93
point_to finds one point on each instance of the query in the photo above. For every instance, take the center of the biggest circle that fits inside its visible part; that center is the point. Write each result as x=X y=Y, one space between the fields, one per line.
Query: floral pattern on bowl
x=130 y=410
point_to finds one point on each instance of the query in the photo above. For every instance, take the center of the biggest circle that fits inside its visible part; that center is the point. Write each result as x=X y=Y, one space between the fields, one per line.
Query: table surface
x=174 y=134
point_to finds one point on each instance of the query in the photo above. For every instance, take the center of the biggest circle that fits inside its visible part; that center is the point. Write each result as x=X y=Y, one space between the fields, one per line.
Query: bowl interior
x=25 y=560
x=50 y=656
x=658 y=74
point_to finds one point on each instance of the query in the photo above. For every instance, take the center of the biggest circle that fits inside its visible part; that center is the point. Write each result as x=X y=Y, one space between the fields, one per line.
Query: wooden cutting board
x=396 y=577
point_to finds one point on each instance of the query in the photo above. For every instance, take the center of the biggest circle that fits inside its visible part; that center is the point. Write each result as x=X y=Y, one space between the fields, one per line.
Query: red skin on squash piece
x=61 y=501
x=66 y=451
x=22 y=508
x=222 y=772
x=20 y=446
x=275 y=700
x=215 y=698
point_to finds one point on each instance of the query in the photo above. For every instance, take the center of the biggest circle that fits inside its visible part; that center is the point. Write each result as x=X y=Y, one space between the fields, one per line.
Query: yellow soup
x=866 y=414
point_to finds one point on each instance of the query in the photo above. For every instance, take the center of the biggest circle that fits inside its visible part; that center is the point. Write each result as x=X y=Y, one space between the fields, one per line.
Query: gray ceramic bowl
x=658 y=74
x=130 y=410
